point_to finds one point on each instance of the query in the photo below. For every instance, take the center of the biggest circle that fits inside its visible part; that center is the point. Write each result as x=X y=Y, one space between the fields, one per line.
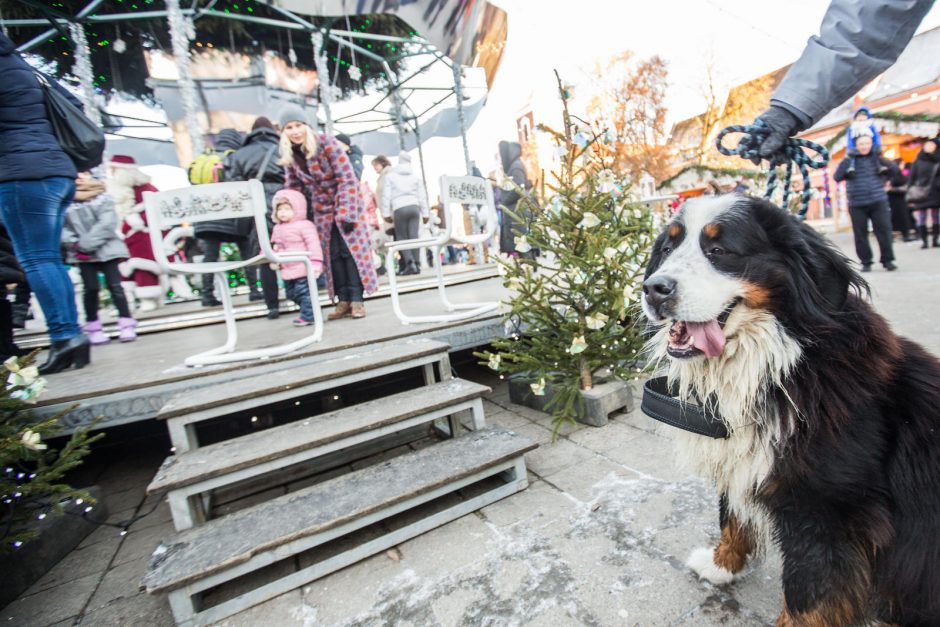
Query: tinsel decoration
x=86 y=75
x=461 y=118
x=323 y=78
x=119 y=46
x=182 y=32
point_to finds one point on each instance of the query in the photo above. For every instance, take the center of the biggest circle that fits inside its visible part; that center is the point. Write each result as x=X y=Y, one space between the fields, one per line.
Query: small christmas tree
x=31 y=475
x=573 y=316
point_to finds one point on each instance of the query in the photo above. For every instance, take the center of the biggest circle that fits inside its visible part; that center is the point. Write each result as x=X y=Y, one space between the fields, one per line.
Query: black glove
x=347 y=227
x=783 y=125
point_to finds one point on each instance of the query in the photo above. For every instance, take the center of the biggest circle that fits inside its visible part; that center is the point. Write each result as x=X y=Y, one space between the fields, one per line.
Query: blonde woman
x=317 y=166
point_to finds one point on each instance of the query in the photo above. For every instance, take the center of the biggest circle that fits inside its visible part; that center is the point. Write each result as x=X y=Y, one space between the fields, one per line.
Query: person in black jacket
x=353 y=152
x=869 y=201
x=510 y=155
x=924 y=174
x=214 y=232
x=260 y=149
x=10 y=272
x=37 y=182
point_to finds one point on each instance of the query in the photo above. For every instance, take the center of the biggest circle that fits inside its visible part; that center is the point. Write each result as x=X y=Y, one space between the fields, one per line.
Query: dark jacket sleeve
x=839 y=175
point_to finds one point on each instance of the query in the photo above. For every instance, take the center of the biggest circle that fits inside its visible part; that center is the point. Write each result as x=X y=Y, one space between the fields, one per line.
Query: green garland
x=893 y=116
x=701 y=169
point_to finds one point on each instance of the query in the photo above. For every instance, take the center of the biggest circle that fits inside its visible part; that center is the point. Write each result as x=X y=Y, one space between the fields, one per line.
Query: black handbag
x=79 y=137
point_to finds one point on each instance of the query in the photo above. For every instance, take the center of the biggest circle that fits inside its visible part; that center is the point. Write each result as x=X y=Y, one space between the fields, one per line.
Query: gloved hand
x=783 y=125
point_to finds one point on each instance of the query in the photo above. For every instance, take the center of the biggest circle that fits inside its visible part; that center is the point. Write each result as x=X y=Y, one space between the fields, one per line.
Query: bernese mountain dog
x=833 y=452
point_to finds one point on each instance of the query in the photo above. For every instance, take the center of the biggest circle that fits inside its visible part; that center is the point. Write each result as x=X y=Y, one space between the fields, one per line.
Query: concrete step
x=184 y=411
x=188 y=475
x=199 y=559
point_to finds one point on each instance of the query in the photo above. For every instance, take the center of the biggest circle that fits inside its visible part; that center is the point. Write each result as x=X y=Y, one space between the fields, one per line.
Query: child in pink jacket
x=294 y=232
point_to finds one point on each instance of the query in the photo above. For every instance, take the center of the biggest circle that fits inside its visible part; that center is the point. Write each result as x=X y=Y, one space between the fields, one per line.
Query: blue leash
x=792 y=152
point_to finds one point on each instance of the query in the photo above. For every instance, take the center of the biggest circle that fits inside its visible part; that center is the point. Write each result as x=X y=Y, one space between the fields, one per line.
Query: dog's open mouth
x=688 y=339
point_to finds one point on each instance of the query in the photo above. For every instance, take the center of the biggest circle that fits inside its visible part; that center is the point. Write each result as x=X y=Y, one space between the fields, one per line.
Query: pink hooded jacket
x=298 y=234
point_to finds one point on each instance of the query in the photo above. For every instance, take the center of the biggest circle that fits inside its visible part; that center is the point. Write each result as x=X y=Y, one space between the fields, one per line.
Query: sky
x=745 y=38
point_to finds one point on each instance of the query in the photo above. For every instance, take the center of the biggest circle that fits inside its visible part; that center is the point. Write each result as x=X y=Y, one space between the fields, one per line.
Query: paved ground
x=598 y=538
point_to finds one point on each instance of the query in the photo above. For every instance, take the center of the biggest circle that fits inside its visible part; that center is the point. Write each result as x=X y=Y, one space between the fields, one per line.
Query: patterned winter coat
x=330 y=186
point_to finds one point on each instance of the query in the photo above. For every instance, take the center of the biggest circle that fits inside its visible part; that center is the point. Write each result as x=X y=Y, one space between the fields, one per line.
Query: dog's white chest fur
x=757 y=357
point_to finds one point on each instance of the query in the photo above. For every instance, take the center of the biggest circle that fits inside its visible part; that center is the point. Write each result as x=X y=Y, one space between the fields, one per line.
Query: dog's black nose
x=659 y=289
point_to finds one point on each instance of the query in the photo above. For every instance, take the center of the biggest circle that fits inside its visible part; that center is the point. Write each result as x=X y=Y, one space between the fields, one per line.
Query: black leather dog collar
x=660 y=405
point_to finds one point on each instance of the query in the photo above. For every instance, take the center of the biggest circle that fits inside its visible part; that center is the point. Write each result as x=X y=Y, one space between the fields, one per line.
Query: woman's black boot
x=75 y=351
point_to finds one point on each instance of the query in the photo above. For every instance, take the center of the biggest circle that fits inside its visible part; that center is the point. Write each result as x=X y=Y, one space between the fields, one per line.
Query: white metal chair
x=466 y=190
x=219 y=201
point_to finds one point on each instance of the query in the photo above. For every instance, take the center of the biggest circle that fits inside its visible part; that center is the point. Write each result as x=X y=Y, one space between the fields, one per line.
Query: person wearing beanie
x=214 y=233
x=353 y=152
x=37 y=182
x=405 y=203
x=293 y=232
x=292 y=113
x=257 y=159
x=91 y=243
x=317 y=166
x=868 y=202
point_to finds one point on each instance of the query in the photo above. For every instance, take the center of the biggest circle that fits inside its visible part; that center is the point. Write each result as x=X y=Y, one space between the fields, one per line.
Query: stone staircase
x=332 y=524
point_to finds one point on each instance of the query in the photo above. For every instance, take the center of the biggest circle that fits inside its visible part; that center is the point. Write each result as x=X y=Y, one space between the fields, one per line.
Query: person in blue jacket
x=37 y=184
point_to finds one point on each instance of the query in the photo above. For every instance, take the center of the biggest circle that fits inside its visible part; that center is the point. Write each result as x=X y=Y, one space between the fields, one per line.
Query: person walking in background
x=353 y=152
x=37 y=183
x=405 y=204
x=379 y=238
x=126 y=185
x=382 y=166
x=257 y=159
x=901 y=220
x=10 y=272
x=317 y=166
x=214 y=233
x=862 y=125
x=923 y=191
x=91 y=242
x=512 y=226
x=294 y=232
x=868 y=201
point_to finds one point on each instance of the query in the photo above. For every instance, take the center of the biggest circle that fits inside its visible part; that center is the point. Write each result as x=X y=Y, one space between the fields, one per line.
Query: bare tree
x=630 y=103
x=712 y=94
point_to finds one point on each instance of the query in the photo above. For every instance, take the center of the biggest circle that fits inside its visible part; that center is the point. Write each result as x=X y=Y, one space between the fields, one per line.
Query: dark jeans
x=299 y=291
x=267 y=276
x=880 y=217
x=112 y=278
x=407 y=222
x=212 y=248
x=33 y=213
x=346 y=281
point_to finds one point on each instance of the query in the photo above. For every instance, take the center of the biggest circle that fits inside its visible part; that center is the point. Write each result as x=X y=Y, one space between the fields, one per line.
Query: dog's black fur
x=854 y=490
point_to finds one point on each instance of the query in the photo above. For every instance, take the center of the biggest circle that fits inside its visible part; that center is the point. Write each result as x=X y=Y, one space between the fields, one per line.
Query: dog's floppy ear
x=829 y=269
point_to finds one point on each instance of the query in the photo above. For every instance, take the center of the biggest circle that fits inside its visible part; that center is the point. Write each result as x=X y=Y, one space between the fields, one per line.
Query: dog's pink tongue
x=707 y=337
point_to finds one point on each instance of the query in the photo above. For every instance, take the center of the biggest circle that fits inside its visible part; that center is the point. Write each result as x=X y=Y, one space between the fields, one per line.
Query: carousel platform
x=131 y=382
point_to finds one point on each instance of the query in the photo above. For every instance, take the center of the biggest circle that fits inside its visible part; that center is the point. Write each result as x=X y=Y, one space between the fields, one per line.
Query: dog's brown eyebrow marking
x=675 y=229
x=711 y=230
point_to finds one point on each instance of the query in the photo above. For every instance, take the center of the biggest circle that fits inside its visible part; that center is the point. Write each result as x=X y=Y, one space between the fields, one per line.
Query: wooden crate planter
x=599 y=402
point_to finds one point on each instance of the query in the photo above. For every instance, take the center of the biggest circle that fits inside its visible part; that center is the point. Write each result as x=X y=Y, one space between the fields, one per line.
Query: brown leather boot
x=341 y=311
x=358 y=310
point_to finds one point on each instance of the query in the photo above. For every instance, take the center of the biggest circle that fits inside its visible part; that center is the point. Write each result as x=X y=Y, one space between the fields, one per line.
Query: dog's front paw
x=702 y=561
